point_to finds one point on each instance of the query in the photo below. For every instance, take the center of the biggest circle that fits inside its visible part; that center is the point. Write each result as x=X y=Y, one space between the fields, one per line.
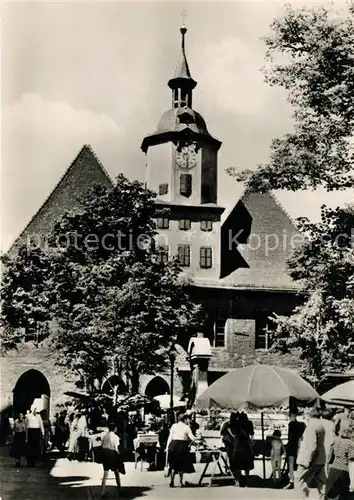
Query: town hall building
x=238 y=277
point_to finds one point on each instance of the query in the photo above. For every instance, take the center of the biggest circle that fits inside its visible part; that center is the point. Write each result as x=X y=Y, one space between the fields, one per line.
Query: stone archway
x=32 y=387
x=156 y=387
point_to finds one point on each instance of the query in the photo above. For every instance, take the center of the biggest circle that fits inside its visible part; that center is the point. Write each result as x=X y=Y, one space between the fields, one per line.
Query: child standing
x=111 y=459
x=277 y=450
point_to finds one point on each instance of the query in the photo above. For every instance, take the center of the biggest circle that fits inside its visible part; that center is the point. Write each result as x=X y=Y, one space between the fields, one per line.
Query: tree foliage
x=310 y=53
x=26 y=296
x=102 y=282
x=323 y=326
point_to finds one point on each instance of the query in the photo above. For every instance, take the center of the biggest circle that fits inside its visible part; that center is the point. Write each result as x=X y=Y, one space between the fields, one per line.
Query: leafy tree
x=310 y=53
x=322 y=327
x=25 y=294
x=111 y=296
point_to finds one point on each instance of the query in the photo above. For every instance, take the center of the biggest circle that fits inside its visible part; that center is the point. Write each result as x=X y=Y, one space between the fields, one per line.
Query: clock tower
x=181 y=164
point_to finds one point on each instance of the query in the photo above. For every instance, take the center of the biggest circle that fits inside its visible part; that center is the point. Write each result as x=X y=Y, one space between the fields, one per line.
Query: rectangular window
x=206 y=194
x=184 y=224
x=163 y=253
x=31 y=334
x=185 y=184
x=264 y=329
x=206 y=257
x=206 y=225
x=219 y=332
x=163 y=223
x=34 y=334
x=163 y=189
x=184 y=255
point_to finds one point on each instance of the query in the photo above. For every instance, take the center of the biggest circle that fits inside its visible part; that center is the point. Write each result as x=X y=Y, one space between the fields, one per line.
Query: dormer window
x=186 y=118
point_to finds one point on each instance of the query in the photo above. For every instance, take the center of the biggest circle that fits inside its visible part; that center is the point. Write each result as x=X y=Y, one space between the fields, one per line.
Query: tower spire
x=182 y=83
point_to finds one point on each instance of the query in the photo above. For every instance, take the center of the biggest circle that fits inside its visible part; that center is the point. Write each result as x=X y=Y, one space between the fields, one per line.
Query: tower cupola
x=182 y=84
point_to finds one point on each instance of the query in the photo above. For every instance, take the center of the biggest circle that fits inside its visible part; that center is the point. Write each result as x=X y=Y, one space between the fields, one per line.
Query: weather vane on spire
x=183 y=16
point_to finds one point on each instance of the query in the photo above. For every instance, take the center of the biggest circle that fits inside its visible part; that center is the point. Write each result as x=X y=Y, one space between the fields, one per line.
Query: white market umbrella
x=342 y=394
x=165 y=399
x=258 y=386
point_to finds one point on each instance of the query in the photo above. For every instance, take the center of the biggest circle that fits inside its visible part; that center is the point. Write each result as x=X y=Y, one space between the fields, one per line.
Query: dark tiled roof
x=266 y=242
x=182 y=68
x=85 y=171
x=176 y=120
x=180 y=121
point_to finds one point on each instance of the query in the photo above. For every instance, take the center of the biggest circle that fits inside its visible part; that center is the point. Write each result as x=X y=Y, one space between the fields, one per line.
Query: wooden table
x=141 y=444
x=216 y=459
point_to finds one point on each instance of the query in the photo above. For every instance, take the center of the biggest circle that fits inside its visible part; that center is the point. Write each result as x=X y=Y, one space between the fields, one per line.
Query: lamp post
x=172 y=357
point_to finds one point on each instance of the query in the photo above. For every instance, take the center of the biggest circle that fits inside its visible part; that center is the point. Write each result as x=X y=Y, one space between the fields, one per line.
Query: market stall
x=258 y=387
x=146 y=448
x=209 y=450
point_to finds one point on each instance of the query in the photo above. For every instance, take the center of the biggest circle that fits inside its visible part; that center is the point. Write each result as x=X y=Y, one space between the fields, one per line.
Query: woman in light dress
x=74 y=436
x=179 y=456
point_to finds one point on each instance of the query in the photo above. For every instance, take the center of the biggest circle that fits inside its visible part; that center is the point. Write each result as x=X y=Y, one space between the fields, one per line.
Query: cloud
x=229 y=72
x=40 y=139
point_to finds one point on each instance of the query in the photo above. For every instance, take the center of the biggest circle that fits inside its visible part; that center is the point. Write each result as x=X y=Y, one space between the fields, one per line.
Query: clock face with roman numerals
x=186 y=157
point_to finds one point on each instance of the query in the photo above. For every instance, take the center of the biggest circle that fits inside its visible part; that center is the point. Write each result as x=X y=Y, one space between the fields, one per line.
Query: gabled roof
x=267 y=236
x=85 y=171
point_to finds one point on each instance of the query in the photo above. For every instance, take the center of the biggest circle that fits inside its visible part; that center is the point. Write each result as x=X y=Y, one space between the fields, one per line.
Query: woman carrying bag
x=167 y=470
x=177 y=450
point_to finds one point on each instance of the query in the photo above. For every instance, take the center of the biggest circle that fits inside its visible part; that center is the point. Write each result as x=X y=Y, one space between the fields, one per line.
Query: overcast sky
x=96 y=73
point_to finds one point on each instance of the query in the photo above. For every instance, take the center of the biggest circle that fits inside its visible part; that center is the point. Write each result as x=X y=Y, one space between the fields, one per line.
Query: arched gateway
x=156 y=387
x=32 y=387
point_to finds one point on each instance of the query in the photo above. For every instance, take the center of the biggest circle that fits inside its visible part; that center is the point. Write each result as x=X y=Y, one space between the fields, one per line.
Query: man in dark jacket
x=295 y=432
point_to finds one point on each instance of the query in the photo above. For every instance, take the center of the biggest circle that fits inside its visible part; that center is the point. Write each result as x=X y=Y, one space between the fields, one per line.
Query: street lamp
x=172 y=357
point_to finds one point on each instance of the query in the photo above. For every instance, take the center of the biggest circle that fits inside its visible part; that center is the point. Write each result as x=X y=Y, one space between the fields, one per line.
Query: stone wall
x=30 y=357
x=42 y=358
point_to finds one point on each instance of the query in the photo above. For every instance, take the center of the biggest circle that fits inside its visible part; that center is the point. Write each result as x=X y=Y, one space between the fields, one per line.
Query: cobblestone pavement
x=64 y=480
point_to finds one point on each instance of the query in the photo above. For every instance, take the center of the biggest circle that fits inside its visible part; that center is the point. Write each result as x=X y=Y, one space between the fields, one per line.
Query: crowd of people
x=320 y=452
x=326 y=455
x=31 y=437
